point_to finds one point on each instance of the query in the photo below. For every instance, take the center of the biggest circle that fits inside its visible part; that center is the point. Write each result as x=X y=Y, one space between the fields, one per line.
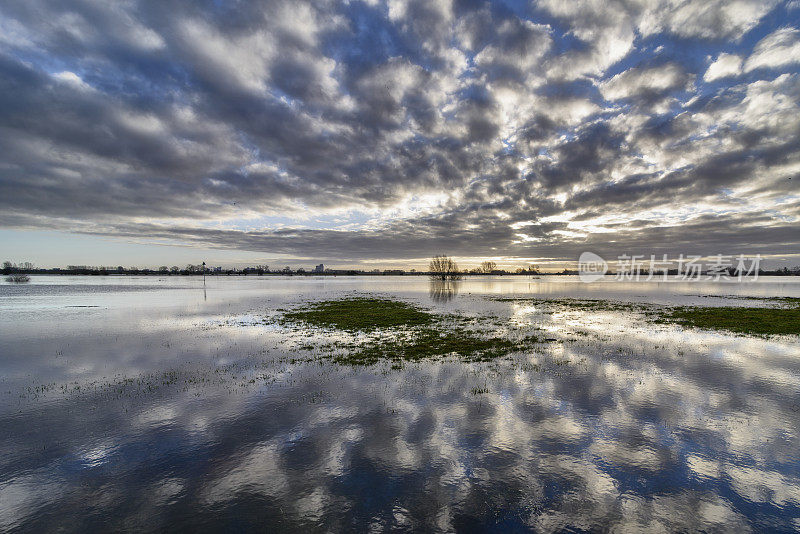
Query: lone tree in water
x=444 y=268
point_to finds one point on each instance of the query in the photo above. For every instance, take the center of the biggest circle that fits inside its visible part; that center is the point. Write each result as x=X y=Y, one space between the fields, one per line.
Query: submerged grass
x=758 y=321
x=578 y=304
x=398 y=332
x=361 y=313
x=777 y=320
x=431 y=343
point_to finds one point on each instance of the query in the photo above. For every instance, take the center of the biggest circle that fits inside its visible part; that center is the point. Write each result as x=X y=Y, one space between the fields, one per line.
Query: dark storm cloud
x=457 y=125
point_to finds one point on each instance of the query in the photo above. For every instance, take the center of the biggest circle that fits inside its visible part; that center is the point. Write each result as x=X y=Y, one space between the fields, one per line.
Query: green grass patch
x=398 y=332
x=361 y=314
x=758 y=321
x=784 y=318
x=433 y=343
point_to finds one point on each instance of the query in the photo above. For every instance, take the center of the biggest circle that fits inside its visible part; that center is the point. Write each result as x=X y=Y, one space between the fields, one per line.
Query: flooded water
x=169 y=404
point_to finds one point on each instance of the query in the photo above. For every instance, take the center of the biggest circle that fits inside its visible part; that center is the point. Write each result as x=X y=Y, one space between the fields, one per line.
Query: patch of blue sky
x=371 y=40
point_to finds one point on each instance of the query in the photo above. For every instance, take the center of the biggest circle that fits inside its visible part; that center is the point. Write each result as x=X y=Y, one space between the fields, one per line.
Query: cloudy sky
x=381 y=132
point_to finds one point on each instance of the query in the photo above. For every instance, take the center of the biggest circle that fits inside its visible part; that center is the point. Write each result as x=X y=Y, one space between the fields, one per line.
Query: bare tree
x=488 y=267
x=444 y=268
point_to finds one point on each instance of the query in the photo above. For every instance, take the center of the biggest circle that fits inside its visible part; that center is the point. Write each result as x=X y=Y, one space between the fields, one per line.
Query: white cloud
x=607 y=29
x=244 y=60
x=610 y=27
x=770 y=106
x=637 y=81
x=520 y=45
x=775 y=50
x=72 y=79
x=706 y=19
x=725 y=65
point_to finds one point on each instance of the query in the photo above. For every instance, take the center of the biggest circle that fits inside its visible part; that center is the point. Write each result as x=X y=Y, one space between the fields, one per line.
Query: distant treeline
x=218 y=271
x=263 y=270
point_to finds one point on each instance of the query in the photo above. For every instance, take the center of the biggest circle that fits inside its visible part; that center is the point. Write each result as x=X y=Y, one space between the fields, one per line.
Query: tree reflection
x=443 y=290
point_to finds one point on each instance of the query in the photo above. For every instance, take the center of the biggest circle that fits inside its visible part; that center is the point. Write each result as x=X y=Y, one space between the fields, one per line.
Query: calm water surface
x=166 y=404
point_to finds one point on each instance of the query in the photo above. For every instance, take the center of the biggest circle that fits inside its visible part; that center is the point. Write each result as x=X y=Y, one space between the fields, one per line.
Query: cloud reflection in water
x=633 y=427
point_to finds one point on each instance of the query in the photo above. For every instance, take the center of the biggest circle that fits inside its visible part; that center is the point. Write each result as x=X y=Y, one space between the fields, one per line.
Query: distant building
x=319 y=268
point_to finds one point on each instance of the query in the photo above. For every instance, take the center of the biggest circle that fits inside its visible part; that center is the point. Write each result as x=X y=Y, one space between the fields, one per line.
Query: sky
x=379 y=133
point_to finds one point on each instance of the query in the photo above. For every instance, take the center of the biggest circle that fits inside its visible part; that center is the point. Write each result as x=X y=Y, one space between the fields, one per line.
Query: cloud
x=517 y=48
x=606 y=33
x=646 y=82
x=725 y=65
x=709 y=19
x=425 y=122
x=776 y=50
